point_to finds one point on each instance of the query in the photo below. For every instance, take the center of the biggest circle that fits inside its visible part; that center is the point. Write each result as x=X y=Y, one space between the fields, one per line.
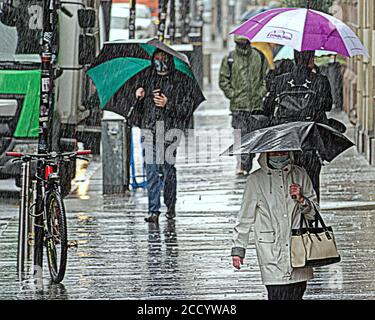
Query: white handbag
x=313 y=246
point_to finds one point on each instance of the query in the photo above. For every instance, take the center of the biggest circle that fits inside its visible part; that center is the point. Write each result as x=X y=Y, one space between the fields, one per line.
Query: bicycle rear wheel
x=56 y=238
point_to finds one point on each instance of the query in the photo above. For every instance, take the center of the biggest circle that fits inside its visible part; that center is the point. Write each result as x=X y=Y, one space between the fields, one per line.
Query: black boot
x=153 y=217
x=171 y=213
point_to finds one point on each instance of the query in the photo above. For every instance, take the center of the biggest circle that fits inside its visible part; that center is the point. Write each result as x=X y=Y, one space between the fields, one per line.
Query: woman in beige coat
x=274 y=196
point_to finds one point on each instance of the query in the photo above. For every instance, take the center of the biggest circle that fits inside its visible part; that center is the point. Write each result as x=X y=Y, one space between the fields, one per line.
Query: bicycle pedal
x=73 y=244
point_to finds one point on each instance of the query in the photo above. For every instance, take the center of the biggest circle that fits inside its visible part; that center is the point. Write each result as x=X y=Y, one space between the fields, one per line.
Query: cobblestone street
x=119 y=256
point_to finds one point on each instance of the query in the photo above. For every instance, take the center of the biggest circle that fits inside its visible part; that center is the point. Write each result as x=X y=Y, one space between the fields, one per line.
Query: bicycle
x=54 y=218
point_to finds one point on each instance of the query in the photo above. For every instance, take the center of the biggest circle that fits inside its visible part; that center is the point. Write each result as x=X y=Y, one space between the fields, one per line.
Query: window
x=119 y=22
x=143 y=12
x=8 y=108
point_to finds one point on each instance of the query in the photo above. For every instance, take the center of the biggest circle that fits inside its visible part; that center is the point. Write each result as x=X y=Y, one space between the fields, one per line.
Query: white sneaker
x=240 y=172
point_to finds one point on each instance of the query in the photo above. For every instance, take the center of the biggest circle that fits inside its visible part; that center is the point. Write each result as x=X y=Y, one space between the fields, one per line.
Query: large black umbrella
x=121 y=64
x=294 y=136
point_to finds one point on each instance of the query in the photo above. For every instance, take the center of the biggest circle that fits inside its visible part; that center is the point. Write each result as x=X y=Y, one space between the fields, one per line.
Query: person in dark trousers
x=301 y=95
x=275 y=197
x=165 y=102
x=334 y=72
x=242 y=79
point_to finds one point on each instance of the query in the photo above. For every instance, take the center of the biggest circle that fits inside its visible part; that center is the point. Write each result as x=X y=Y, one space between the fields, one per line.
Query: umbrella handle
x=294 y=197
x=132 y=108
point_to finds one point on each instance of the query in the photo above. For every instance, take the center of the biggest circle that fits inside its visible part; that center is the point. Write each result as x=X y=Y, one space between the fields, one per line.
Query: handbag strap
x=317 y=215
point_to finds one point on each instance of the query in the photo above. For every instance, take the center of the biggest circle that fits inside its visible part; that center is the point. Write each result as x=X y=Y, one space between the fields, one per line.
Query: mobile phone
x=157 y=92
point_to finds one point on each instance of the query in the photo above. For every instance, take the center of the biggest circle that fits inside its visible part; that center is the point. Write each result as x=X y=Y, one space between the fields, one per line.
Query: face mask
x=279 y=162
x=243 y=45
x=161 y=66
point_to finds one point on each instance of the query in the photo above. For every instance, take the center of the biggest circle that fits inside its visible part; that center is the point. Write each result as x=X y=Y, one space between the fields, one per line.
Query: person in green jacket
x=242 y=75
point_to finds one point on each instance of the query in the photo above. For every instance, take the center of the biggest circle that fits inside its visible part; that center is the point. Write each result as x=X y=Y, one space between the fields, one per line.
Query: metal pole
x=213 y=20
x=308 y=4
x=31 y=220
x=27 y=214
x=185 y=21
x=225 y=22
x=48 y=56
x=219 y=16
x=162 y=19
x=23 y=223
x=132 y=17
x=193 y=9
x=21 y=226
x=172 y=23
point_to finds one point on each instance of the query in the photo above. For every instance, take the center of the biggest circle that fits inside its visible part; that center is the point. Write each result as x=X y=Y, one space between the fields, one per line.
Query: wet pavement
x=119 y=256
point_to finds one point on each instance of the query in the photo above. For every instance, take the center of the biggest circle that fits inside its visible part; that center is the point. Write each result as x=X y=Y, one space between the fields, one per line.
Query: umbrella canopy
x=288 y=53
x=266 y=49
x=302 y=29
x=294 y=136
x=120 y=61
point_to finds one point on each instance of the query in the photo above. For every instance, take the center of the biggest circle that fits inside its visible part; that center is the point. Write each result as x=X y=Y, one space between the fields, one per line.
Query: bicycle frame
x=50 y=183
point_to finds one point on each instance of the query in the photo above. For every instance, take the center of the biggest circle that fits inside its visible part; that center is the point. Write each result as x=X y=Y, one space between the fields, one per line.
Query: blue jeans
x=155 y=182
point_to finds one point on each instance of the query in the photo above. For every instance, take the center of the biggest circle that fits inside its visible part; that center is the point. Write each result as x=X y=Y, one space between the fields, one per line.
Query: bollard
x=114 y=154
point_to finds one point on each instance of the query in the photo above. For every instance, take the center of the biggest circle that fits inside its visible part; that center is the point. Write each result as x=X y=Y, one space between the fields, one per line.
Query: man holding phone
x=166 y=102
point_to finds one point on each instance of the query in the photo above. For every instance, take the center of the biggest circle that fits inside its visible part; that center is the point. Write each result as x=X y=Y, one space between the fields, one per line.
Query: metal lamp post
x=172 y=22
x=132 y=13
x=162 y=19
x=48 y=44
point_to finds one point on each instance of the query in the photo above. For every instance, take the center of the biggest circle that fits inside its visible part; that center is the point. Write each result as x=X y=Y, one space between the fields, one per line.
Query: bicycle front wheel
x=56 y=237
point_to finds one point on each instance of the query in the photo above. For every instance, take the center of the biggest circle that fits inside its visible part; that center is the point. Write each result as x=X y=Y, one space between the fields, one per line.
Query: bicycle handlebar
x=14 y=154
x=51 y=155
x=83 y=152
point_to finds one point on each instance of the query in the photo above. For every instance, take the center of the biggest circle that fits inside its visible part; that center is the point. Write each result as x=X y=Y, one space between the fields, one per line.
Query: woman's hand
x=140 y=93
x=237 y=261
x=295 y=191
x=160 y=100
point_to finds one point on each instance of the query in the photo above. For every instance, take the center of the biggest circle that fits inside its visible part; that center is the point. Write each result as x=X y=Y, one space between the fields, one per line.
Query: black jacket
x=180 y=106
x=321 y=102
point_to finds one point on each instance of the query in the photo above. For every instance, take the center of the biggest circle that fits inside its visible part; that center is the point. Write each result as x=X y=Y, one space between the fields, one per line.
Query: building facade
x=359 y=91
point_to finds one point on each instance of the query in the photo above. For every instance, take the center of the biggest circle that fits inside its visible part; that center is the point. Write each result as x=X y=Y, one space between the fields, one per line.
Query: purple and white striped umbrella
x=302 y=29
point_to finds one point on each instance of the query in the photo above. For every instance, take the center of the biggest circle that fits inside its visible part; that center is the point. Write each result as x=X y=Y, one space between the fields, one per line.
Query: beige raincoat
x=268 y=205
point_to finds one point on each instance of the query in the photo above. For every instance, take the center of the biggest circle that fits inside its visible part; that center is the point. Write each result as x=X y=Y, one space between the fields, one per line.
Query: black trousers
x=248 y=122
x=292 y=291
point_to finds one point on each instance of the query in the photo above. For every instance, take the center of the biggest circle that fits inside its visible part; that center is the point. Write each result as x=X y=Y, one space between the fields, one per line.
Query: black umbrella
x=294 y=136
x=122 y=64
